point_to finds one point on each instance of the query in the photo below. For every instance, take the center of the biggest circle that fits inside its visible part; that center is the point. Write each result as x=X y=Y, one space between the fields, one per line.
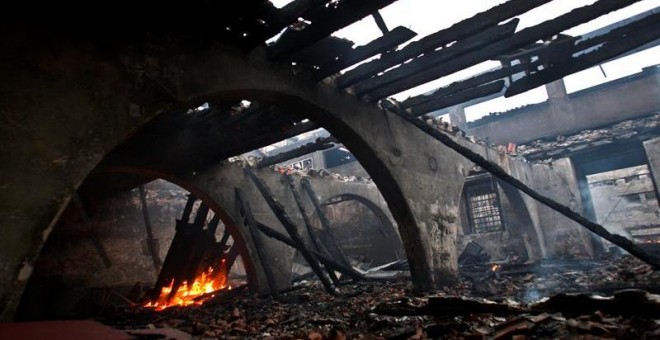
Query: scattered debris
x=527 y=306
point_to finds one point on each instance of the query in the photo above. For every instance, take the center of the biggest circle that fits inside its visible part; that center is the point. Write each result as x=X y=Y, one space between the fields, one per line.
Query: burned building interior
x=210 y=169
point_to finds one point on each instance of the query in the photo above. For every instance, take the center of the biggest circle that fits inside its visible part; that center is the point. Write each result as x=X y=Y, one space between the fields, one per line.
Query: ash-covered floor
x=604 y=299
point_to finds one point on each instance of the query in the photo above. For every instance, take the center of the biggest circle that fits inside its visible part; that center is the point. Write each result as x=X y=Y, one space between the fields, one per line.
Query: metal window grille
x=485 y=211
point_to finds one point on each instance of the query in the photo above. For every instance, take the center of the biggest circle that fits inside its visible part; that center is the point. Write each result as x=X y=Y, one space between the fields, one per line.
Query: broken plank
x=327 y=20
x=317 y=145
x=243 y=206
x=416 y=66
x=291 y=229
x=457 y=98
x=521 y=39
x=500 y=173
x=458 y=31
x=289 y=14
x=627 y=41
x=382 y=44
x=465 y=84
x=330 y=263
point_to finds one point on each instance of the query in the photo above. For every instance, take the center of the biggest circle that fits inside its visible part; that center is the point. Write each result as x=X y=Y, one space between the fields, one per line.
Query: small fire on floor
x=202 y=288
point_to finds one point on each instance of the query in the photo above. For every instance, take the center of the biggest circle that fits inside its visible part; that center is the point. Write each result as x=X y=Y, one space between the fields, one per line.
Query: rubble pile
x=391 y=310
x=562 y=145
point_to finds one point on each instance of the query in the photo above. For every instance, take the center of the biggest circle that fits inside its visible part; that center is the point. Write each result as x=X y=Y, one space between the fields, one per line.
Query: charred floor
x=249 y=173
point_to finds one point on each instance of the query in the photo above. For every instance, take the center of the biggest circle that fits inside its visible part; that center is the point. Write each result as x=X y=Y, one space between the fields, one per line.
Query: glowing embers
x=196 y=293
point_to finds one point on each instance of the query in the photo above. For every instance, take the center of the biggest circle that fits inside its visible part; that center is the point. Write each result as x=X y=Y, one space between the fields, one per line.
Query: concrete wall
x=652 y=148
x=624 y=199
x=539 y=230
x=618 y=100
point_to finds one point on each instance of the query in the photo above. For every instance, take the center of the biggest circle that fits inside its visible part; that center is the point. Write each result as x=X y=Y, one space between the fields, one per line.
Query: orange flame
x=495 y=267
x=186 y=295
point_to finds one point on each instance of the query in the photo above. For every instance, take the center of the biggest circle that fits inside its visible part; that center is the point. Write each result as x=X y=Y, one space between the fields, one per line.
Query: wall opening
x=625 y=203
x=98 y=257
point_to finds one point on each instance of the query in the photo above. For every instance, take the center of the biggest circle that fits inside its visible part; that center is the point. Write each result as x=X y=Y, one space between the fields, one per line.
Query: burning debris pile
x=390 y=310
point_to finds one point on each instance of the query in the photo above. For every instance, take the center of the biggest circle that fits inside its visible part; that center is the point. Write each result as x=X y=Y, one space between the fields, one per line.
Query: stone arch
x=95 y=114
x=238 y=233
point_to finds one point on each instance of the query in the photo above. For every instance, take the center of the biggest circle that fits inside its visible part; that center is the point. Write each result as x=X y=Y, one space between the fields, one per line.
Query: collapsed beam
x=330 y=263
x=419 y=65
x=521 y=39
x=291 y=229
x=458 y=31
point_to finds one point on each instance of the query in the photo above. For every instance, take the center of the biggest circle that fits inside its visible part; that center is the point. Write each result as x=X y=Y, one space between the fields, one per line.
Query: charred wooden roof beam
x=521 y=39
x=441 y=102
x=431 y=59
x=328 y=20
x=458 y=31
x=382 y=44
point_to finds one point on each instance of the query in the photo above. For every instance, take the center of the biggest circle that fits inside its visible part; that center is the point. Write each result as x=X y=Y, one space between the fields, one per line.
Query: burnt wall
x=621 y=99
x=625 y=199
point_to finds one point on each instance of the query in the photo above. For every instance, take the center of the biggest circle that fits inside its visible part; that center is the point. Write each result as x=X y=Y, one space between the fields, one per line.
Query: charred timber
x=519 y=40
x=326 y=21
x=431 y=59
x=382 y=44
x=380 y=22
x=500 y=173
x=331 y=244
x=643 y=32
x=458 y=86
x=441 y=102
x=89 y=224
x=458 y=31
x=150 y=235
x=308 y=224
x=330 y=263
x=243 y=206
x=289 y=14
x=319 y=144
x=291 y=229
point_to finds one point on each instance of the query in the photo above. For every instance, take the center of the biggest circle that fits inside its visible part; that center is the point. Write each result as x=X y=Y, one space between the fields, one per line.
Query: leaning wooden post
x=325 y=223
x=248 y=221
x=328 y=262
x=315 y=240
x=292 y=230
